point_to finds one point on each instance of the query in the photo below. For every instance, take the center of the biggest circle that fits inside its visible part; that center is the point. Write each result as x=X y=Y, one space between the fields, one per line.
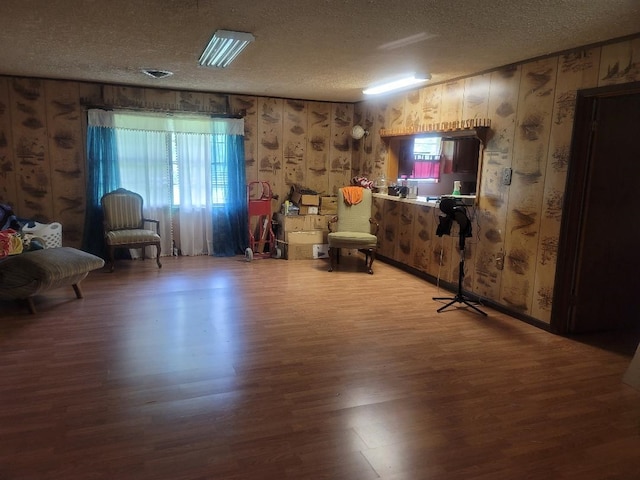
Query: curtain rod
x=227 y=115
x=242 y=113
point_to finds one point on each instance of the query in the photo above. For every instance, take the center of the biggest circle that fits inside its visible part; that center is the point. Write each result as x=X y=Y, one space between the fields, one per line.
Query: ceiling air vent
x=157 y=74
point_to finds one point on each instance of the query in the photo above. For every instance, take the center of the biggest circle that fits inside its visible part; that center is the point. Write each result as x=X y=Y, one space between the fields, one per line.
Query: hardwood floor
x=221 y=369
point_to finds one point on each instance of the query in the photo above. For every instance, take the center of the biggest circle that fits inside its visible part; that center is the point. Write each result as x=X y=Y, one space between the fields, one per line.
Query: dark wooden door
x=597 y=286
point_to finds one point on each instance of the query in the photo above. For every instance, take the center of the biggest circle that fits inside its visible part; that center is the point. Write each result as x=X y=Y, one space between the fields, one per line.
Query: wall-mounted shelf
x=475 y=127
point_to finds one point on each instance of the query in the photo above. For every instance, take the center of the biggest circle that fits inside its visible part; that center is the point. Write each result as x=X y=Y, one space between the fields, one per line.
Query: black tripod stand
x=459 y=214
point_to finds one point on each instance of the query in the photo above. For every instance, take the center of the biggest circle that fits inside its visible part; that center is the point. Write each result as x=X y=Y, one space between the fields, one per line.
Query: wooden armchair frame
x=124 y=224
x=352 y=229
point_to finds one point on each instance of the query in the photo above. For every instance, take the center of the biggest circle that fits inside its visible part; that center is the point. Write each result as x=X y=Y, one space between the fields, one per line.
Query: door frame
x=575 y=198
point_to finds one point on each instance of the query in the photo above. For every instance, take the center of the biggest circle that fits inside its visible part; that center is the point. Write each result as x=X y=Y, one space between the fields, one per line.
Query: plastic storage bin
x=51 y=233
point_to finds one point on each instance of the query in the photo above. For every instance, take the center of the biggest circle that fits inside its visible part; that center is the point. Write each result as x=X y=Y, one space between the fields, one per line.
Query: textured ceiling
x=305 y=49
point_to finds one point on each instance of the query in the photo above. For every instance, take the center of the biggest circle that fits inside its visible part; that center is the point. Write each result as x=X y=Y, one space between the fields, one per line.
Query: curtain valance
x=162 y=122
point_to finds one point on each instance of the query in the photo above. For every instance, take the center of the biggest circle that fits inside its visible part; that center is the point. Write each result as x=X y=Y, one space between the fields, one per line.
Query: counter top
x=420 y=200
x=414 y=201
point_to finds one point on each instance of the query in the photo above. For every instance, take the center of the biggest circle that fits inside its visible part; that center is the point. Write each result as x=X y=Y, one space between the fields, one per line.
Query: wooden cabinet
x=408 y=235
x=466 y=154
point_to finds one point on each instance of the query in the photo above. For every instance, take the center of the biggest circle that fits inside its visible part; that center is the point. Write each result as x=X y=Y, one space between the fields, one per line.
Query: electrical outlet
x=506 y=176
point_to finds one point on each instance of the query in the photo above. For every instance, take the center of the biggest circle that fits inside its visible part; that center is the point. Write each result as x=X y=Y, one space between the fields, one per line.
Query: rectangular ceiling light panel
x=223 y=47
x=399 y=84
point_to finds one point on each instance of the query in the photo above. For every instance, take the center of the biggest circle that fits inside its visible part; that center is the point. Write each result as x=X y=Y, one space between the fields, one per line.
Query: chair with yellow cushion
x=124 y=224
x=353 y=227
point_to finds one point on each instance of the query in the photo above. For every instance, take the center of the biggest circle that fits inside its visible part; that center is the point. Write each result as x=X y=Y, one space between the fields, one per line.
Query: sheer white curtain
x=193 y=153
x=171 y=150
x=144 y=168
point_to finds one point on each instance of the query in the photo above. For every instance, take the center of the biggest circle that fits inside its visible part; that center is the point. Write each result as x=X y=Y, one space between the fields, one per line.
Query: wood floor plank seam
x=218 y=368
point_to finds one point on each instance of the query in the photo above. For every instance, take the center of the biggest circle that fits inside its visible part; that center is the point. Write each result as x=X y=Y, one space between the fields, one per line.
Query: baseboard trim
x=453 y=287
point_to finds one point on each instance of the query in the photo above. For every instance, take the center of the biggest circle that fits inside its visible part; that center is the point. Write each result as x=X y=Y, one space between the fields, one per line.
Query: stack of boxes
x=304 y=236
x=328 y=206
x=309 y=204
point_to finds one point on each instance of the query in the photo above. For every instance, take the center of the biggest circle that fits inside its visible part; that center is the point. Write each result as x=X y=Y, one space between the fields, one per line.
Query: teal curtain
x=217 y=194
x=230 y=219
x=102 y=177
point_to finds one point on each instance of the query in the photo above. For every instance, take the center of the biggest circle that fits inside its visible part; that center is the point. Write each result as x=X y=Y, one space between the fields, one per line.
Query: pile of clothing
x=362 y=182
x=12 y=239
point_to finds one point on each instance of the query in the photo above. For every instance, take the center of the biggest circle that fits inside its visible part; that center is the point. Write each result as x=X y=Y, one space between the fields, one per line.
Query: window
x=186 y=167
x=426 y=158
x=218 y=168
x=174 y=153
x=427 y=146
x=420 y=159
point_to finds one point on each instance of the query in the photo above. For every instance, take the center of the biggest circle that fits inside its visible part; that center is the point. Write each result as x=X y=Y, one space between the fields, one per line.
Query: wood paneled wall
x=43 y=161
x=43 y=151
x=531 y=108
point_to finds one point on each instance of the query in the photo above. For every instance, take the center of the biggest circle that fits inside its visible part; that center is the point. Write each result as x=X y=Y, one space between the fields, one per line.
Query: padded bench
x=24 y=275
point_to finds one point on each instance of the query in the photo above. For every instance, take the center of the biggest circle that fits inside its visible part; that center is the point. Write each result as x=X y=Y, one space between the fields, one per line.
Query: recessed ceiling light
x=157 y=74
x=398 y=84
x=224 y=47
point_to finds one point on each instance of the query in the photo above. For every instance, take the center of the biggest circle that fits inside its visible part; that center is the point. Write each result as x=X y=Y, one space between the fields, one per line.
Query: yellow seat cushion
x=352 y=240
x=123 y=237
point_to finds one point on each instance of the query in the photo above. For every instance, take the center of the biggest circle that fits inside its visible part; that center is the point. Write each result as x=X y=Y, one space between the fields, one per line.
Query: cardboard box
x=306 y=245
x=328 y=205
x=308 y=210
x=319 y=222
x=299 y=252
x=306 y=252
x=305 y=199
x=286 y=223
x=308 y=237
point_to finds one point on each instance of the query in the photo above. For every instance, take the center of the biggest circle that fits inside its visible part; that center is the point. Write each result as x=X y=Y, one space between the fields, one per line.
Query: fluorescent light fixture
x=406 y=41
x=223 y=47
x=397 y=84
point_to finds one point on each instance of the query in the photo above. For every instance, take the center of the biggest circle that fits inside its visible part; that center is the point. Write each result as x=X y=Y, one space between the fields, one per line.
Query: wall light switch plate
x=506 y=176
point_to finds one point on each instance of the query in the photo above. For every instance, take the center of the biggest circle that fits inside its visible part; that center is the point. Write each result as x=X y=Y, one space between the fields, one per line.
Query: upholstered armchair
x=124 y=224
x=353 y=227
